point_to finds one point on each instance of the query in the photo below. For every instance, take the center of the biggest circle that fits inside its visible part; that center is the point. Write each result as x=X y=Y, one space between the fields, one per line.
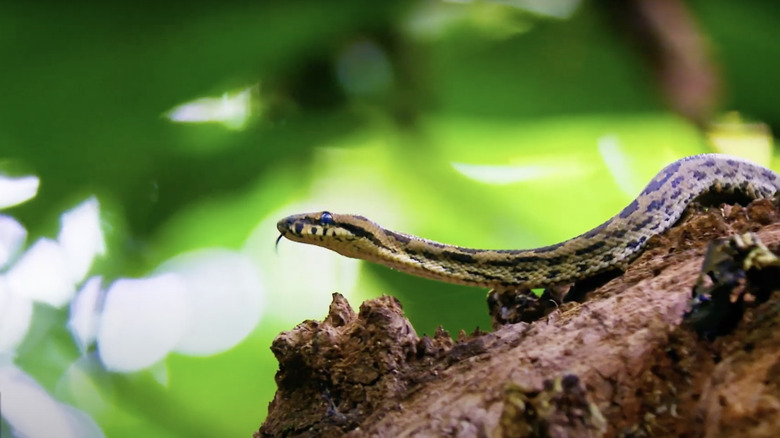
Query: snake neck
x=530 y=268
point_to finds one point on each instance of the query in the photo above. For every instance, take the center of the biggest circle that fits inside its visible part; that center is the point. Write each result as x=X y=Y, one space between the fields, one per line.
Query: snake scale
x=611 y=245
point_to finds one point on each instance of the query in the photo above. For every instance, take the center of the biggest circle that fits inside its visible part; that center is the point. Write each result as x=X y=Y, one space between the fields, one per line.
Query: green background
x=86 y=85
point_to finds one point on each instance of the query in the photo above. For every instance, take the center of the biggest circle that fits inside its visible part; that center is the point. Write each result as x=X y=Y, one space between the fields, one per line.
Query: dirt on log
x=625 y=362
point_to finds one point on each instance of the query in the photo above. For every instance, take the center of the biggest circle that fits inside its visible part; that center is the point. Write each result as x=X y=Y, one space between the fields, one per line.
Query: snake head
x=302 y=227
x=348 y=235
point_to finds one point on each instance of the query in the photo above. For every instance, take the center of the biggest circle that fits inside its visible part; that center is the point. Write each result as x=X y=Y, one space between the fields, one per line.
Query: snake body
x=610 y=245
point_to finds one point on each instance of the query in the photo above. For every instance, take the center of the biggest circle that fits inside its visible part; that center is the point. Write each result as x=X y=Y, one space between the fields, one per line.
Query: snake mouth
x=293 y=225
x=292 y=228
x=284 y=227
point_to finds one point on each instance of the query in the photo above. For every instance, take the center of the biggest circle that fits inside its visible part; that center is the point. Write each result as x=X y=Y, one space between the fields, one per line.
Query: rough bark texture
x=622 y=363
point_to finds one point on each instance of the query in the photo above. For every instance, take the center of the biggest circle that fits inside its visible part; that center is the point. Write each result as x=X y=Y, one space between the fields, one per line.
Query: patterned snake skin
x=611 y=245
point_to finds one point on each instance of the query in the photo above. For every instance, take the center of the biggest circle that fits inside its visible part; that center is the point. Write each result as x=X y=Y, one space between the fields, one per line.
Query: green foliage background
x=85 y=86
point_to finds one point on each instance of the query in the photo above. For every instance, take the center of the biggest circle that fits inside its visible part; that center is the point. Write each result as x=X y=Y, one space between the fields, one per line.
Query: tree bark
x=625 y=362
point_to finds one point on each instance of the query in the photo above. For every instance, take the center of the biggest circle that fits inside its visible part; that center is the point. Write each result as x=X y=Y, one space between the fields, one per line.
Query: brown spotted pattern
x=610 y=245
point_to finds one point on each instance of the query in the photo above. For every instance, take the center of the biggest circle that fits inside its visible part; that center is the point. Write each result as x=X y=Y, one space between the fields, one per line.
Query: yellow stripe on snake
x=611 y=245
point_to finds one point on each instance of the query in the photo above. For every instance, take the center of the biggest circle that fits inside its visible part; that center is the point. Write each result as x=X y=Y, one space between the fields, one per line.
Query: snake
x=611 y=245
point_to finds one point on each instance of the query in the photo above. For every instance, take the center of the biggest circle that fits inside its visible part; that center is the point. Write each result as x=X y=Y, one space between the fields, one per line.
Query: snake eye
x=326 y=218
